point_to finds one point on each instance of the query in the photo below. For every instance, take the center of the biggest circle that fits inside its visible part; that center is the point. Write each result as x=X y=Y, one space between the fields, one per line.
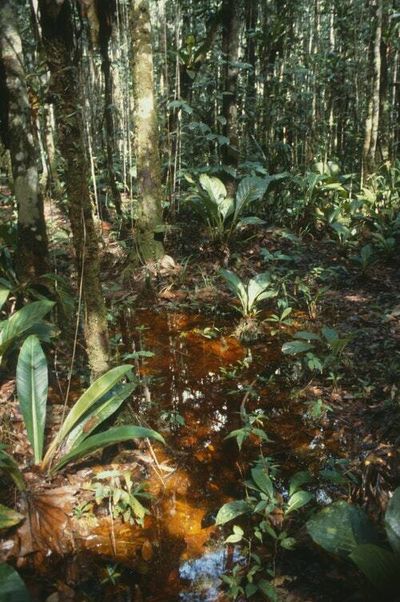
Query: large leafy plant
x=345 y=530
x=222 y=213
x=24 y=321
x=75 y=438
x=261 y=531
x=251 y=294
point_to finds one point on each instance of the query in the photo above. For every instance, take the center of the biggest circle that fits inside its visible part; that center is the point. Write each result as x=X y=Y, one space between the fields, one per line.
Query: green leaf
x=380 y=566
x=256 y=289
x=116 y=434
x=101 y=410
x=297 y=480
x=8 y=517
x=288 y=543
x=263 y=481
x=340 y=528
x=307 y=335
x=21 y=321
x=392 y=521
x=268 y=590
x=236 y=536
x=214 y=188
x=12 y=588
x=249 y=190
x=32 y=387
x=96 y=391
x=231 y=510
x=295 y=347
x=9 y=465
x=4 y=292
x=236 y=286
x=250 y=221
x=298 y=500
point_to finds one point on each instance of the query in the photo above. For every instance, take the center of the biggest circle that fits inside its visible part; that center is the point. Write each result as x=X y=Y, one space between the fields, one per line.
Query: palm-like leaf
x=237 y=287
x=114 y=435
x=88 y=399
x=9 y=465
x=102 y=410
x=22 y=321
x=32 y=386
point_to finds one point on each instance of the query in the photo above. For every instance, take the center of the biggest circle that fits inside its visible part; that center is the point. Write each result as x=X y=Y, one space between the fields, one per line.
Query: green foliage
x=328 y=344
x=32 y=386
x=24 y=321
x=73 y=440
x=345 y=530
x=12 y=588
x=9 y=518
x=122 y=495
x=251 y=294
x=221 y=213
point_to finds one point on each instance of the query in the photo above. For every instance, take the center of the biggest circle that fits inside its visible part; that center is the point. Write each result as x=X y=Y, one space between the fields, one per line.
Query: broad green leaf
x=9 y=465
x=392 y=521
x=297 y=480
x=226 y=207
x=380 y=566
x=214 y=187
x=4 y=292
x=249 y=190
x=298 y=500
x=96 y=391
x=21 y=321
x=231 y=510
x=256 y=287
x=340 y=528
x=8 y=517
x=306 y=335
x=330 y=334
x=263 y=481
x=236 y=286
x=295 y=347
x=102 y=410
x=32 y=387
x=268 y=590
x=116 y=434
x=12 y=588
x=250 y=221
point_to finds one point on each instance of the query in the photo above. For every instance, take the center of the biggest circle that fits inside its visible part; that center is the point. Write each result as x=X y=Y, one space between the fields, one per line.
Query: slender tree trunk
x=230 y=48
x=148 y=164
x=57 y=28
x=18 y=136
x=251 y=91
x=372 y=121
x=105 y=10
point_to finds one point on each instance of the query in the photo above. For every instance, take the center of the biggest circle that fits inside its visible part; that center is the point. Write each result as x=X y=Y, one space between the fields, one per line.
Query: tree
x=148 y=164
x=58 y=39
x=18 y=136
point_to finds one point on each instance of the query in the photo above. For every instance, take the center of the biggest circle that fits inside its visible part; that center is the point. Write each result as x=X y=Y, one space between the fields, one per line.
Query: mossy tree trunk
x=105 y=11
x=18 y=136
x=58 y=38
x=230 y=47
x=373 y=114
x=148 y=164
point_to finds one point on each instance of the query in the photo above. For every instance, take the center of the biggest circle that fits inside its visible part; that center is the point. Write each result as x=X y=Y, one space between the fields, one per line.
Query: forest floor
x=197 y=375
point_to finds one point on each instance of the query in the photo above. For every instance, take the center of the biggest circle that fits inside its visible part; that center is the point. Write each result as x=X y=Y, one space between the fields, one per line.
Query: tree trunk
x=230 y=49
x=105 y=10
x=18 y=136
x=148 y=164
x=372 y=121
x=57 y=27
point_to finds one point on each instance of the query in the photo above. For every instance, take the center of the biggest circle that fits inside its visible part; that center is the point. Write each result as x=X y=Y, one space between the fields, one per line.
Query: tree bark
x=58 y=39
x=372 y=121
x=148 y=164
x=105 y=10
x=230 y=48
x=18 y=136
